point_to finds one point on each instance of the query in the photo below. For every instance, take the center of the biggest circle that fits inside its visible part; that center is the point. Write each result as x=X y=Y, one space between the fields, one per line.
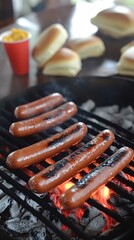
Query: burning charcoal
x=1 y=194
x=103 y=115
x=88 y=105
x=57 y=223
x=33 y=204
x=123 y=117
x=127 y=110
x=127 y=124
x=21 y=195
x=30 y=217
x=122 y=212
x=20 y=225
x=121 y=205
x=46 y=214
x=89 y=214
x=109 y=231
x=56 y=237
x=37 y=233
x=7 y=184
x=4 y=203
x=130 y=117
x=112 y=200
x=73 y=217
x=15 y=209
x=107 y=109
x=96 y=226
x=5 y=170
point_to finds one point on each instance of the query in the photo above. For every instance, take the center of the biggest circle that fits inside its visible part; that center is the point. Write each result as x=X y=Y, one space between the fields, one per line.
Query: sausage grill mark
x=44 y=121
x=66 y=168
x=49 y=147
x=64 y=137
x=110 y=162
x=62 y=163
x=101 y=175
x=61 y=110
x=56 y=168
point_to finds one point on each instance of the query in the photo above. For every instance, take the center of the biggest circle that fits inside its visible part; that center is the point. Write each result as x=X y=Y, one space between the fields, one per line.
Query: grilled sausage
x=44 y=121
x=39 y=106
x=66 y=168
x=82 y=190
x=48 y=147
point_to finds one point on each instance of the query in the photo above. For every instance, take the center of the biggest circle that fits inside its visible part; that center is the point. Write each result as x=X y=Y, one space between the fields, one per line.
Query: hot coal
x=96 y=225
x=38 y=233
x=4 y=203
x=122 y=116
x=89 y=214
x=123 y=206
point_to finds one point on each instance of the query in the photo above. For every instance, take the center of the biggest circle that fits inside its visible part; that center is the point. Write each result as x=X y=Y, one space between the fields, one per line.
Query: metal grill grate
x=95 y=125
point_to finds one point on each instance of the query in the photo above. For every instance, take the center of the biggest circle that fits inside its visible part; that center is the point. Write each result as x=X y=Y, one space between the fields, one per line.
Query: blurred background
x=12 y=9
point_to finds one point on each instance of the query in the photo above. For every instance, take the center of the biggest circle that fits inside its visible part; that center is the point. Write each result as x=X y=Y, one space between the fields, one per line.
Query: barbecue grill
x=51 y=221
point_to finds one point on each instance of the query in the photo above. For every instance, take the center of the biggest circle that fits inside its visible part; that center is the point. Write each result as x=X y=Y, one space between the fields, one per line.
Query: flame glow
x=68 y=185
x=105 y=192
x=65 y=186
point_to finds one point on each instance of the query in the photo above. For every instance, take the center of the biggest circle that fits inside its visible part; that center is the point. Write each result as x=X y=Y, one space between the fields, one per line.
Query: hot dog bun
x=125 y=65
x=117 y=21
x=48 y=43
x=91 y=46
x=65 y=62
x=128 y=45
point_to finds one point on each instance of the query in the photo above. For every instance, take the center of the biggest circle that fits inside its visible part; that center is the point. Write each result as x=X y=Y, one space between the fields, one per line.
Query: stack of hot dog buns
x=125 y=65
x=126 y=46
x=43 y=114
x=65 y=62
x=57 y=55
x=51 y=56
x=48 y=43
x=117 y=21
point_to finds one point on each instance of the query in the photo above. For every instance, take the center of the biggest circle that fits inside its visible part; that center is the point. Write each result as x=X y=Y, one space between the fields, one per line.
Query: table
x=76 y=19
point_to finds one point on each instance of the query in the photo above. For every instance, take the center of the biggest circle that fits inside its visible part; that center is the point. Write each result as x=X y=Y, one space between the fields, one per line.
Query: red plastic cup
x=18 y=54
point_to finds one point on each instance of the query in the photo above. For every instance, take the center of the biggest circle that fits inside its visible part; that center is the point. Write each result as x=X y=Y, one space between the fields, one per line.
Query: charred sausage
x=44 y=121
x=66 y=168
x=82 y=190
x=39 y=106
x=48 y=147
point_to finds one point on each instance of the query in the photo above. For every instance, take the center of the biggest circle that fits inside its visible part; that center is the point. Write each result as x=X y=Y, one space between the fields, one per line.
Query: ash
x=122 y=116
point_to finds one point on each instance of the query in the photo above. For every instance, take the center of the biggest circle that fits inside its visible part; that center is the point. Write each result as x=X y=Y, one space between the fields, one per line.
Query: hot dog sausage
x=48 y=147
x=83 y=189
x=70 y=165
x=39 y=106
x=44 y=121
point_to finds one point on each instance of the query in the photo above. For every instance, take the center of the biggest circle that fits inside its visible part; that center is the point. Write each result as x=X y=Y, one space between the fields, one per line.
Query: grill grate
x=95 y=125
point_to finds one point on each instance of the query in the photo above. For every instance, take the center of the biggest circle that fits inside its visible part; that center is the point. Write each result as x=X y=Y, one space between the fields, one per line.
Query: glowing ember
x=102 y=195
x=64 y=186
x=68 y=185
x=105 y=192
x=49 y=161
